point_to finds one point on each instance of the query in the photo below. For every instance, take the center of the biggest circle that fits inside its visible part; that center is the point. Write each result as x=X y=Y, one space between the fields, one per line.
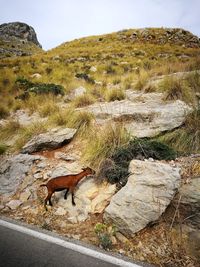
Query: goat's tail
x=43 y=185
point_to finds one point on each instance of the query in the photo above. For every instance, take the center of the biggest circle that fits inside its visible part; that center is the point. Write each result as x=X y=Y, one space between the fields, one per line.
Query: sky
x=58 y=21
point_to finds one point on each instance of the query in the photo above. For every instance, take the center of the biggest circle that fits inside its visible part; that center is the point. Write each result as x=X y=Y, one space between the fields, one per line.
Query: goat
x=68 y=182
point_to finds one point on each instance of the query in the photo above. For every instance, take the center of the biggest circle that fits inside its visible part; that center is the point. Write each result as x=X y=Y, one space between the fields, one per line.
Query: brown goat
x=67 y=182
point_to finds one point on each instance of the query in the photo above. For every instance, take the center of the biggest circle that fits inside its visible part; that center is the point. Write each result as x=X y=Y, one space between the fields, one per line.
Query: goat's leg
x=48 y=198
x=72 y=192
x=73 y=203
x=65 y=196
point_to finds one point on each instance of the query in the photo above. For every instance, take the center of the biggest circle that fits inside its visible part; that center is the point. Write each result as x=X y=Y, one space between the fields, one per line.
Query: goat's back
x=62 y=181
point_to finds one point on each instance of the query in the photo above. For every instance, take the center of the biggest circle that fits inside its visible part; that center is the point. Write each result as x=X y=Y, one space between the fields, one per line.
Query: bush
x=37 y=88
x=85 y=77
x=116 y=168
x=104 y=234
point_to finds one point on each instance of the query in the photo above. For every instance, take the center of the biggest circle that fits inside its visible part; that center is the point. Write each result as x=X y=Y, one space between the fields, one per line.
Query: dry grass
x=103 y=142
x=186 y=139
x=114 y=94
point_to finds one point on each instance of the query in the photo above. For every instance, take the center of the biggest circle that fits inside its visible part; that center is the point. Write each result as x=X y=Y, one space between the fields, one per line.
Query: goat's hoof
x=74 y=204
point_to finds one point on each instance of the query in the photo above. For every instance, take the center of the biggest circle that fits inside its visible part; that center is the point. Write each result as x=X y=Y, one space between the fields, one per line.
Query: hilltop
x=18 y=39
x=127 y=104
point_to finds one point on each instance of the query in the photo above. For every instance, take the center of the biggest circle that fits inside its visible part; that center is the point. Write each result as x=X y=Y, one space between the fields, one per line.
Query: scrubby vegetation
x=29 y=87
x=115 y=168
x=186 y=139
x=106 y=66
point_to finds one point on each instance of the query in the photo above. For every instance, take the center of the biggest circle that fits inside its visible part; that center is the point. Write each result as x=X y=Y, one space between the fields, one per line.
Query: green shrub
x=85 y=77
x=37 y=88
x=115 y=169
x=104 y=234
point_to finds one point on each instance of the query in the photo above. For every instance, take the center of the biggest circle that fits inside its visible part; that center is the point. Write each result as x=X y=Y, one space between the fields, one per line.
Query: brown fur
x=68 y=182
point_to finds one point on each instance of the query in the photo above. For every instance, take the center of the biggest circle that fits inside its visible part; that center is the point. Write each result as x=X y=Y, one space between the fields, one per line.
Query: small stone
x=25 y=196
x=121 y=237
x=60 y=211
x=77 y=237
x=93 y=69
x=38 y=175
x=113 y=240
x=14 y=204
x=41 y=165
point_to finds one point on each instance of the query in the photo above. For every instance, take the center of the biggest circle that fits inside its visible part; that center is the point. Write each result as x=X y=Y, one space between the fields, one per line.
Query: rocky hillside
x=18 y=39
x=127 y=104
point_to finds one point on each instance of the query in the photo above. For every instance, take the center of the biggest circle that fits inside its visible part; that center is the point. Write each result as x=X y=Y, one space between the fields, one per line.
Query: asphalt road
x=17 y=248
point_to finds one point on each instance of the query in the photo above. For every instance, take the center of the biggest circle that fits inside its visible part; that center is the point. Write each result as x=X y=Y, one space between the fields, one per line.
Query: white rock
x=25 y=196
x=14 y=204
x=36 y=75
x=90 y=198
x=52 y=139
x=60 y=211
x=143 y=117
x=93 y=69
x=149 y=190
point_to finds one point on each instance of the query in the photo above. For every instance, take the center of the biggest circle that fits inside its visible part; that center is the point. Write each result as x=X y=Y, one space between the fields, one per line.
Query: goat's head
x=88 y=171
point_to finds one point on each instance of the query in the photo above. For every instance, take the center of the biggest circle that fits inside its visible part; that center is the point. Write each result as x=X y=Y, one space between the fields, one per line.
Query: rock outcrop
x=90 y=198
x=18 y=39
x=149 y=190
x=161 y=36
x=13 y=170
x=19 y=30
x=188 y=201
x=53 y=139
x=144 y=115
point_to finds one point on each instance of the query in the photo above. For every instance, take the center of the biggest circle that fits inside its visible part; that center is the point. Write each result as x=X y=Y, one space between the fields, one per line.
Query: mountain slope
x=18 y=39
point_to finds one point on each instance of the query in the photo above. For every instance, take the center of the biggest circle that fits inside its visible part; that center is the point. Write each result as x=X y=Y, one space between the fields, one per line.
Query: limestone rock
x=190 y=193
x=149 y=190
x=90 y=198
x=143 y=116
x=76 y=92
x=36 y=75
x=14 y=204
x=55 y=138
x=60 y=211
x=25 y=195
x=189 y=196
x=13 y=170
x=25 y=119
x=19 y=30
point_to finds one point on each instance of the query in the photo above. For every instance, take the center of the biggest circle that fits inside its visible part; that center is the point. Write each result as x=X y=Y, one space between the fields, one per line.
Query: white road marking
x=78 y=248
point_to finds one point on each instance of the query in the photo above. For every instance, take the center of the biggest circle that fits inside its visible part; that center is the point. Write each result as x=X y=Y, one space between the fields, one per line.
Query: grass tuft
x=186 y=139
x=114 y=94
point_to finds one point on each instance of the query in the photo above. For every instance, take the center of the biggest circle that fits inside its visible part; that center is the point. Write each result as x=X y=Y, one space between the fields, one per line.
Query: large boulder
x=13 y=170
x=144 y=115
x=53 y=139
x=188 y=200
x=90 y=198
x=149 y=190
